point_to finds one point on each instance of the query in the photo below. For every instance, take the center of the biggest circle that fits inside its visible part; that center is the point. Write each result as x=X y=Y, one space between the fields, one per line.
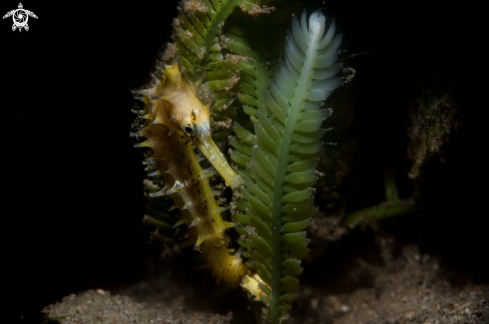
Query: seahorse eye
x=189 y=128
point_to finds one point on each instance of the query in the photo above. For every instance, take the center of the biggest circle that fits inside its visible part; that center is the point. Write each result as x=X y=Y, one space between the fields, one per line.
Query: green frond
x=197 y=39
x=258 y=37
x=196 y=31
x=288 y=145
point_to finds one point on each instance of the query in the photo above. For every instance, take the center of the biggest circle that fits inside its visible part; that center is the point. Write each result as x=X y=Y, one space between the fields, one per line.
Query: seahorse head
x=173 y=102
x=184 y=109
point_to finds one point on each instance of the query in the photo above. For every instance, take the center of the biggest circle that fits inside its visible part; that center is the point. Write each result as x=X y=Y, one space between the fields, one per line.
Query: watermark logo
x=20 y=17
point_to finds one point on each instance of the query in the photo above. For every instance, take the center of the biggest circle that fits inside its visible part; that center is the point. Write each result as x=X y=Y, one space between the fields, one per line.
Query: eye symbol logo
x=20 y=17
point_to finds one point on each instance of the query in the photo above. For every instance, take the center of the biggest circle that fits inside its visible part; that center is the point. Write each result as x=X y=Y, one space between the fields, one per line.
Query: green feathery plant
x=235 y=45
x=279 y=194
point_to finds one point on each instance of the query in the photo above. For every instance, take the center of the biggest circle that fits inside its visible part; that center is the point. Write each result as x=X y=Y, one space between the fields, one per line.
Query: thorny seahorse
x=175 y=120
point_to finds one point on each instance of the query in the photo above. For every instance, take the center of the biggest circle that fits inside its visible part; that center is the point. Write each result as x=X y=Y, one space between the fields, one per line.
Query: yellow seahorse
x=175 y=120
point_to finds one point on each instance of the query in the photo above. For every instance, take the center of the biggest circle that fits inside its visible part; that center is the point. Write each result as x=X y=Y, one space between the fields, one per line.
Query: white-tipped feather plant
x=279 y=193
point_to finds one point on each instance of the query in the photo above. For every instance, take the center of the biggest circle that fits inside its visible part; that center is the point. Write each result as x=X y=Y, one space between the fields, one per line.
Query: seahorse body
x=185 y=180
x=173 y=102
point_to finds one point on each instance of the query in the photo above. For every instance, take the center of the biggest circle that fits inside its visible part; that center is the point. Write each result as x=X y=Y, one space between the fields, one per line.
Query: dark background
x=72 y=213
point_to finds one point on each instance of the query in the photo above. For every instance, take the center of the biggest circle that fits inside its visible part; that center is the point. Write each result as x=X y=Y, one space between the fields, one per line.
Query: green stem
x=381 y=211
x=393 y=206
